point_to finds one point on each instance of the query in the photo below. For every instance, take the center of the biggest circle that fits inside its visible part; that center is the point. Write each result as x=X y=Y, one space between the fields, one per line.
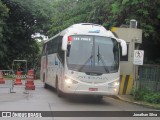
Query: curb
x=137 y=103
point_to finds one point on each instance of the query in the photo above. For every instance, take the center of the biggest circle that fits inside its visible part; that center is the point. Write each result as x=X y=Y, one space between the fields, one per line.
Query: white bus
x=83 y=59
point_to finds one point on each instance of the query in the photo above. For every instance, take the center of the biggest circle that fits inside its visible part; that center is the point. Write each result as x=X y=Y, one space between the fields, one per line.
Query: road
x=42 y=99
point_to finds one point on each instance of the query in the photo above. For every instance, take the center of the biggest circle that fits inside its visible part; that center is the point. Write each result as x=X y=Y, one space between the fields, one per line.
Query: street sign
x=138 y=57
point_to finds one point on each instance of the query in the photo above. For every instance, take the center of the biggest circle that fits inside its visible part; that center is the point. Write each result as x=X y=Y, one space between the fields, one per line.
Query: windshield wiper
x=85 y=63
x=90 y=58
x=100 y=58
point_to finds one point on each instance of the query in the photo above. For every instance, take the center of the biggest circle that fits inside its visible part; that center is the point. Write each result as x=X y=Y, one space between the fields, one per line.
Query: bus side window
x=60 y=51
x=55 y=46
x=49 y=47
x=44 y=49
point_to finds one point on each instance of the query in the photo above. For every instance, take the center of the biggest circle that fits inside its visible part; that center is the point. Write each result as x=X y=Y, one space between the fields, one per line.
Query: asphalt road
x=42 y=99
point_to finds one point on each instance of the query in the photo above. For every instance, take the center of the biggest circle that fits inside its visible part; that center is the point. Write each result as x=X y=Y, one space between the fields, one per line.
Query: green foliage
x=111 y=13
x=152 y=98
x=69 y=12
x=115 y=8
x=124 y=2
x=146 y=95
x=25 y=18
x=21 y=18
x=40 y=12
x=138 y=95
x=3 y=16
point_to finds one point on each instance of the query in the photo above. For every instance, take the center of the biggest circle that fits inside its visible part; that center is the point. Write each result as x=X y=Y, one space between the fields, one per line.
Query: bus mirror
x=64 y=43
x=124 y=47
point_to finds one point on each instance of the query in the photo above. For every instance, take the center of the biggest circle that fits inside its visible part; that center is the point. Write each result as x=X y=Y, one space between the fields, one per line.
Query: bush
x=146 y=95
x=152 y=98
x=139 y=95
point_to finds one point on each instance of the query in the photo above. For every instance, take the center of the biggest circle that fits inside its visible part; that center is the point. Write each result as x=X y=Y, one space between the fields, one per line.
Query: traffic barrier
x=1 y=78
x=30 y=81
x=126 y=84
x=8 y=84
x=18 y=78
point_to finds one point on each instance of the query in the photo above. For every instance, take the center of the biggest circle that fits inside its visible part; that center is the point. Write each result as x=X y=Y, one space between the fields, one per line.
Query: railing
x=149 y=77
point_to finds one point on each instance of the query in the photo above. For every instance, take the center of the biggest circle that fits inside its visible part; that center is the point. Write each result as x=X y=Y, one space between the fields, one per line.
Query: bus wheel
x=43 y=77
x=59 y=93
x=99 y=98
x=45 y=85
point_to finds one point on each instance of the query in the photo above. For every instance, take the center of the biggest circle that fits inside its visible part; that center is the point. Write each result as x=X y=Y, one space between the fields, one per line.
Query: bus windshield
x=93 y=54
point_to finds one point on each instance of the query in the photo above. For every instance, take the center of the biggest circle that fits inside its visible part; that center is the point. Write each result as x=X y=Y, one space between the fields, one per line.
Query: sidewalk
x=130 y=99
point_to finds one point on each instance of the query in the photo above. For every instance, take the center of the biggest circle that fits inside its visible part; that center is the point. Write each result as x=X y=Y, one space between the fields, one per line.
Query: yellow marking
x=130 y=85
x=122 y=84
x=113 y=29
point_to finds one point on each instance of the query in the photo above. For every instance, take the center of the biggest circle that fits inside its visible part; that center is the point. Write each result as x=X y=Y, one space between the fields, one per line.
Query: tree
x=113 y=13
x=3 y=16
x=25 y=18
x=69 y=12
x=19 y=19
x=147 y=13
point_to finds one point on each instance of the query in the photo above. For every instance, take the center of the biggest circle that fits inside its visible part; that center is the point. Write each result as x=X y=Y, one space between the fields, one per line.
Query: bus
x=83 y=59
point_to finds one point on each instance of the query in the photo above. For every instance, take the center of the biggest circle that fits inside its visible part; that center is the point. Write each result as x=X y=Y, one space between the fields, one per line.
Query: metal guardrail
x=11 y=74
x=8 y=84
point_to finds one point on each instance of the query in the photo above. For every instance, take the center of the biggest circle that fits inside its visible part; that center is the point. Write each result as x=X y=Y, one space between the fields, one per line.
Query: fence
x=149 y=77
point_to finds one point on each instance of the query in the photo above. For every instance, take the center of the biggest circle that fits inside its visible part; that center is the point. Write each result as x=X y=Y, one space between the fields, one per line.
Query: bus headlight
x=114 y=84
x=70 y=81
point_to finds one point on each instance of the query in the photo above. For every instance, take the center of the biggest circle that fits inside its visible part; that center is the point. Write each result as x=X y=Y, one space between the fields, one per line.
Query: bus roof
x=85 y=29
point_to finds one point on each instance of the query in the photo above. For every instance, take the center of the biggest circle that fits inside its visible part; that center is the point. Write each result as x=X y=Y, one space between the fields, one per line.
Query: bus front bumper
x=104 y=89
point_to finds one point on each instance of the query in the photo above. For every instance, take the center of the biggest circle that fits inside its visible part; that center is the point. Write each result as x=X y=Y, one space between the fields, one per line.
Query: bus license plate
x=93 y=89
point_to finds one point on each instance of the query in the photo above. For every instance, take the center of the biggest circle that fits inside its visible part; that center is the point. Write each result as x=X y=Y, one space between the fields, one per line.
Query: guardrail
x=8 y=84
x=11 y=74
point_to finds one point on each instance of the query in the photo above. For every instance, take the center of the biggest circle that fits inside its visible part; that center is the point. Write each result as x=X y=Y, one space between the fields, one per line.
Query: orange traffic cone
x=18 y=78
x=30 y=81
x=1 y=78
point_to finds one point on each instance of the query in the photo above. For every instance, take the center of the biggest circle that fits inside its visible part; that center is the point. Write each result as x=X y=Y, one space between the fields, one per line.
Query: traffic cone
x=1 y=78
x=30 y=81
x=18 y=78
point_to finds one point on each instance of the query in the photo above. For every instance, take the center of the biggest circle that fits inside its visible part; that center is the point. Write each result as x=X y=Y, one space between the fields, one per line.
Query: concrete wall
x=132 y=36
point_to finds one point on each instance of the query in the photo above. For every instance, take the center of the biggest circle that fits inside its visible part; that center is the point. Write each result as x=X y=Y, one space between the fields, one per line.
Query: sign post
x=138 y=60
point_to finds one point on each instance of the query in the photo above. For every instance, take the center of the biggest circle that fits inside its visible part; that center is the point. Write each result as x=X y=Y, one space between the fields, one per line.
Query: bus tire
x=44 y=77
x=99 y=98
x=59 y=93
x=45 y=85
